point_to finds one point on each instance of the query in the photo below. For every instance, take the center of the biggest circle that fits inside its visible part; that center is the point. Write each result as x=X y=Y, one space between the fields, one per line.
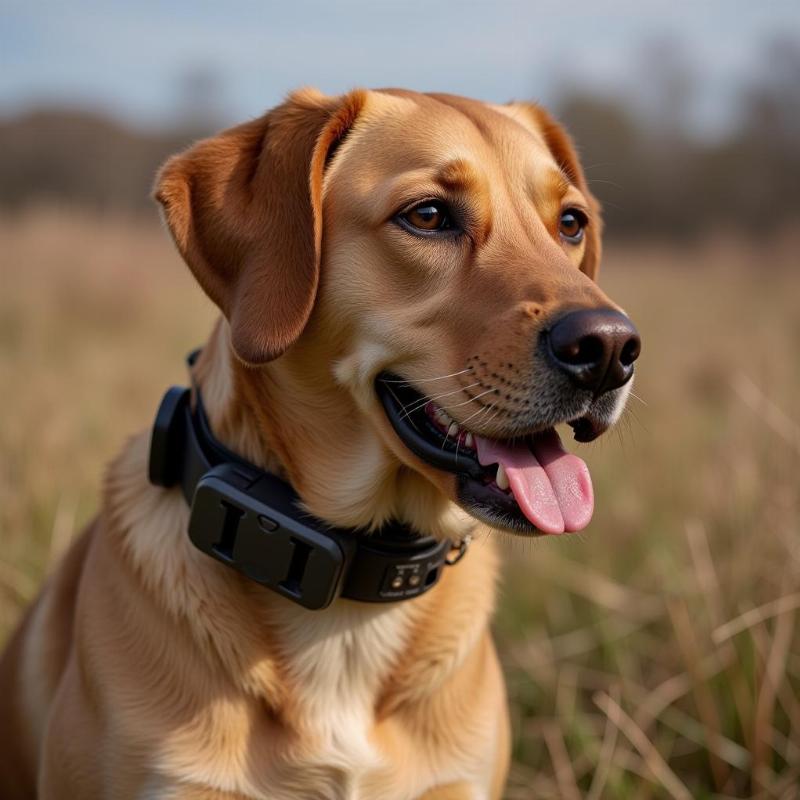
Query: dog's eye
x=431 y=215
x=571 y=225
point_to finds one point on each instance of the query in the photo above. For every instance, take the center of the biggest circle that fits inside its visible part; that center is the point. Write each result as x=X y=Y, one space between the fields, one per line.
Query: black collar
x=252 y=521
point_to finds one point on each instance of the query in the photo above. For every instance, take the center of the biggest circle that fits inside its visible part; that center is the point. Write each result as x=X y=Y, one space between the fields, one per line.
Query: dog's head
x=406 y=276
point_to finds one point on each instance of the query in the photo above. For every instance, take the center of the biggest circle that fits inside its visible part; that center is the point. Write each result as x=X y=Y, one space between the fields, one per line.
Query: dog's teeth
x=453 y=430
x=502 y=479
x=469 y=440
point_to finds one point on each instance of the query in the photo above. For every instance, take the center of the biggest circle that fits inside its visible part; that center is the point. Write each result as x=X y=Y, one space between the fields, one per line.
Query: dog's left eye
x=571 y=225
x=429 y=216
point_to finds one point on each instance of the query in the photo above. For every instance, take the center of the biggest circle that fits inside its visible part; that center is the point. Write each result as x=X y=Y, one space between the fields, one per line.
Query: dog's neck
x=281 y=417
x=271 y=414
x=227 y=402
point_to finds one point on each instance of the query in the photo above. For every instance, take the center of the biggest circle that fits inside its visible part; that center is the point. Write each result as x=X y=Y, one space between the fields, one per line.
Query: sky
x=132 y=58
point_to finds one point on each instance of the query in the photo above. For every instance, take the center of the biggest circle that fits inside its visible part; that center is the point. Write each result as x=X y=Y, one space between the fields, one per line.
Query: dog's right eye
x=429 y=216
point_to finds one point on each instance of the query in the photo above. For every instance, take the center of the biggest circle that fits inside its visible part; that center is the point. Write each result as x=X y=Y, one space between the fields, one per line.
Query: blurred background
x=655 y=656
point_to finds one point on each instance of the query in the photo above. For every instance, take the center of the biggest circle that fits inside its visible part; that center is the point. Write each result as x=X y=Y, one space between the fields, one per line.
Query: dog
x=404 y=279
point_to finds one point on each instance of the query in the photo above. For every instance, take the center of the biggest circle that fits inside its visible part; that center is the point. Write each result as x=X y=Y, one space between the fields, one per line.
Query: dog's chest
x=338 y=663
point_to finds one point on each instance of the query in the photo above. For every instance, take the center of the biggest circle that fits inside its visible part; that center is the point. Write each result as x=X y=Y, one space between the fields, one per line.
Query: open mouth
x=528 y=484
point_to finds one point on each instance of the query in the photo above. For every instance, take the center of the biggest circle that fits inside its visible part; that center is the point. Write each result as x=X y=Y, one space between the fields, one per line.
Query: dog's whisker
x=475 y=414
x=636 y=397
x=406 y=410
x=427 y=380
x=426 y=400
x=400 y=403
x=492 y=418
x=488 y=391
x=455 y=391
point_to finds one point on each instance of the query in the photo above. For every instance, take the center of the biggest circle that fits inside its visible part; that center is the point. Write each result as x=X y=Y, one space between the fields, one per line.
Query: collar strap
x=253 y=522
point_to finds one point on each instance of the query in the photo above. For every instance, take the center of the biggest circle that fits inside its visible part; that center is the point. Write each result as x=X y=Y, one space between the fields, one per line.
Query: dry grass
x=656 y=656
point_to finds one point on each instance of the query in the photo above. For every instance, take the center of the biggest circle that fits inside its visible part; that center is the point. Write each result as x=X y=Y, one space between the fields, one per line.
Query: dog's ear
x=563 y=150
x=244 y=209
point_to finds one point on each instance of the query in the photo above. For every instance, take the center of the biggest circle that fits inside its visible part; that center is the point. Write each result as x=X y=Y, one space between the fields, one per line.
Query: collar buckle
x=247 y=522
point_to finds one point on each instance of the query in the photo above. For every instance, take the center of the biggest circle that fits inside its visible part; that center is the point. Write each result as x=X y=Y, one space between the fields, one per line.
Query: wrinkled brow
x=459 y=176
x=557 y=182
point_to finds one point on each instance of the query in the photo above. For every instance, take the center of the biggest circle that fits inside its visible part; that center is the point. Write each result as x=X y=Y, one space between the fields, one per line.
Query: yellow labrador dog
x=408 y=306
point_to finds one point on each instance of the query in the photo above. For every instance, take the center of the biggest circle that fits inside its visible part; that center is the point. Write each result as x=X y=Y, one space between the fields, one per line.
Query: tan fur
x=148 y=670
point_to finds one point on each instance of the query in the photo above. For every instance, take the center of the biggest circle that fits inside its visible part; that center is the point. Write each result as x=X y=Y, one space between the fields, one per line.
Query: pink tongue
x=552 y=487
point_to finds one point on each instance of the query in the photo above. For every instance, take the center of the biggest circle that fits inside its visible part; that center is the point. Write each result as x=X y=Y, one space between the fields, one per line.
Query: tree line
x=652 y=173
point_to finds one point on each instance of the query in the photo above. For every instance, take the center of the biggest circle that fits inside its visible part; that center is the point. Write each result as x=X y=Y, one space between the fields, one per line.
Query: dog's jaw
x=348 y=476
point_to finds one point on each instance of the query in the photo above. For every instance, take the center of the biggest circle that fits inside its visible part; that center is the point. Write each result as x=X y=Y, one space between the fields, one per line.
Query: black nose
x=596 y=347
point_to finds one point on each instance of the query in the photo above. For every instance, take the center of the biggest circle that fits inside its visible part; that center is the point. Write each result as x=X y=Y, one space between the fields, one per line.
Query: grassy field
x=657 y=655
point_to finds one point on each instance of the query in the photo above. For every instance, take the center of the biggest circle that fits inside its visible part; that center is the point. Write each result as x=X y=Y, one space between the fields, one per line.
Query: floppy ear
x=244 y=209
x=563 y=150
